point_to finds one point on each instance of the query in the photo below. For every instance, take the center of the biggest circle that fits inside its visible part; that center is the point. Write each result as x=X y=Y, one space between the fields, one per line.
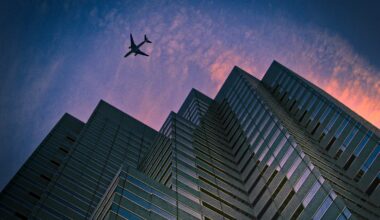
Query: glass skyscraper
x=279 y=148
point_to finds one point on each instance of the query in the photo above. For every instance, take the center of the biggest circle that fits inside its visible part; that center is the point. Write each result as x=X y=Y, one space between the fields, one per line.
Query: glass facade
x=279 y=148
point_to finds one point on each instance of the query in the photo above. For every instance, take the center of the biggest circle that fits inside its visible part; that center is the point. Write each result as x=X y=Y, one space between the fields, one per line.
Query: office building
x=276 y=148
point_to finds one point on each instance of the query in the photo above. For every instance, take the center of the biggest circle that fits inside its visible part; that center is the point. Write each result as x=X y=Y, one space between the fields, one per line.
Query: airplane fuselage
x=135 y=48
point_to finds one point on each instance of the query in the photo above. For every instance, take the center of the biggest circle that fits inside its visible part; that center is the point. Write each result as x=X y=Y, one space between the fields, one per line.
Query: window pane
x=311 y=193
x=362 y=143
x=323 y=208
x=302 y=179
x=371 y=158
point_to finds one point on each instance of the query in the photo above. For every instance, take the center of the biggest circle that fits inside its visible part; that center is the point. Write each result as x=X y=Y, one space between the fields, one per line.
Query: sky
x=64 y=56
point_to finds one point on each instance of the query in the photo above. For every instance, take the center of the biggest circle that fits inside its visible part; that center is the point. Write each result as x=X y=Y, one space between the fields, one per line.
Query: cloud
x=332 y=64
x=185 y=36
x=358 y=93
x=224 y=63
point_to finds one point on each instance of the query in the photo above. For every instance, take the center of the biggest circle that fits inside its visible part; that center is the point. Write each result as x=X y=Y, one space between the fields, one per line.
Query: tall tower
x=69 y=172
x=279 y=148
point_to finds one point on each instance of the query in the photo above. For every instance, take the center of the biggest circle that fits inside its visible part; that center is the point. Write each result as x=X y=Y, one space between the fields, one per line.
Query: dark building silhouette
x=279 y=148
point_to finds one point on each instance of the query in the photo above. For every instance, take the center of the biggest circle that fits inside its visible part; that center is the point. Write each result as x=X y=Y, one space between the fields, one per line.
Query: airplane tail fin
x=146 y=39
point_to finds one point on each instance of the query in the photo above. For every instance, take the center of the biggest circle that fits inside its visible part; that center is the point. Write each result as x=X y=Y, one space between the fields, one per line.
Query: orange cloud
x=330 y=62
x=223 y=65
x=364 y=101
x=356 y=99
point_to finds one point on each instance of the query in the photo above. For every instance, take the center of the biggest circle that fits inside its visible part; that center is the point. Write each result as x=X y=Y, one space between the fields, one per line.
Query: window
x=282 y=78
x=331 y=123
x=280 y=146
x=293 y=167
x=330 y=143
x=324 y=207
x=270 y=161
x=314 y=99
x=151 y=190
x=349 y=137
x=258 y=197
x=285 y=203
x=274 y=137
x=264 y=209
x=278 y=189
x=269 y=128
x=291 y=107
x=257 y=179
x=64 y=150
x=293 y=89
x=342 y=127
x=252 y=170
x=124 y=212
x=286 y=157
x=302 y=179
x=325 y=113
x=301 y=92
x=70 y=138
x=147 y=205
x=362 y=143
x=310 y=195
x=290 y=85
x=373 y=185
x=297 y=212
x=368 y=163
x=315 y=128
x=217 y=210
x=283 y=96
x=304 y=99
x=258 y=145
x=284 y=83
x=345 y=214
x=316 y=110
x=349 y=162
x=134 y=198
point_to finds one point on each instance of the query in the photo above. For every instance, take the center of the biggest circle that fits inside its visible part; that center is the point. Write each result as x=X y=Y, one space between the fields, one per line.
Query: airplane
x=135 y=48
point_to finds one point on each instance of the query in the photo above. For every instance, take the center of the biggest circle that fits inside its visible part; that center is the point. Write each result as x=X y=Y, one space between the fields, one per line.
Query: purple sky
x=65 y=57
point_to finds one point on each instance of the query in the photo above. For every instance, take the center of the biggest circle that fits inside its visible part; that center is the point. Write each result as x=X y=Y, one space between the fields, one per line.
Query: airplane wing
x=141 y=53
x=132 y=42
x=128 y=54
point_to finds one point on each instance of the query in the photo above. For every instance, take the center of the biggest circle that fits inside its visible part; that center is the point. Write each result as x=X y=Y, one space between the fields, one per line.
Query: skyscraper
x=279 y=148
